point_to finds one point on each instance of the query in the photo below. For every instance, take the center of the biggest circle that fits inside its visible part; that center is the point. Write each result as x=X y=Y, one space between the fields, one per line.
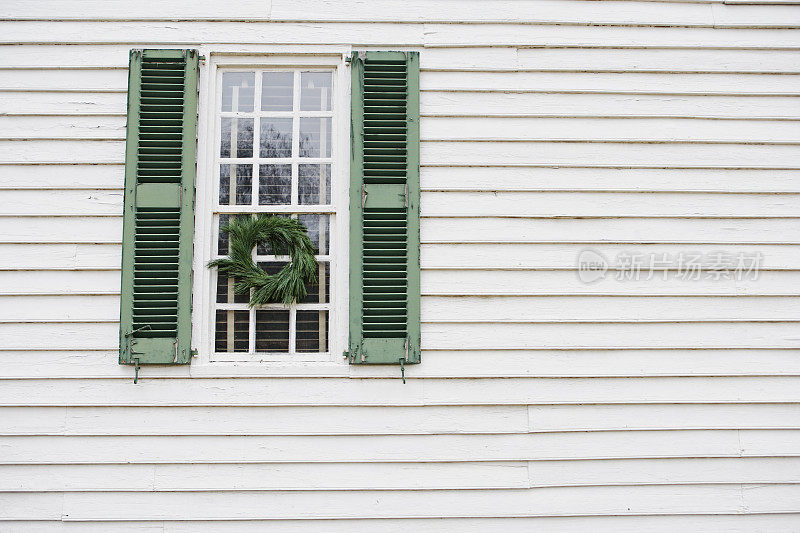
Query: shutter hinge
x=405 y=194
x=363 y=195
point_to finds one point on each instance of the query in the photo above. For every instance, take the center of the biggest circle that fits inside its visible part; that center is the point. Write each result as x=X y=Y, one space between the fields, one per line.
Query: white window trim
x=203 y=292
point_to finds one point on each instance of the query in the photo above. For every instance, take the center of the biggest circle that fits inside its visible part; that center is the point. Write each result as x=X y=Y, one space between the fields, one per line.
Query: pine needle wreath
x=284 y=235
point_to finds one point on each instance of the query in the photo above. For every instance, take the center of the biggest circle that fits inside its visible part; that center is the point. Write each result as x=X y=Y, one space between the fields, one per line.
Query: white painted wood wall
x=542 y=403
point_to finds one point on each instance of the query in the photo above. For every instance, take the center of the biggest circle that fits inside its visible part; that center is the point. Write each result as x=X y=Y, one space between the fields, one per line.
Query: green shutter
x=384 y=209
x=156 y=295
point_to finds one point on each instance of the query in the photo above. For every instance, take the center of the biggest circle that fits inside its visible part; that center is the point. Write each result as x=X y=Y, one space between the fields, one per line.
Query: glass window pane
x=222 y=239
x=277 y=91
x=225 y=292
x=312 y=331
x=315 y=91
x=242 y=178
x=315 y=137
x=274 y=184
x=236 y=132
x=318 y=230
x=224 y=185
x=314 y=186
x=244 y=184
x=232 y=331
x=272 y=330
x=276 y=137
x=319 y=292
x=238 y=91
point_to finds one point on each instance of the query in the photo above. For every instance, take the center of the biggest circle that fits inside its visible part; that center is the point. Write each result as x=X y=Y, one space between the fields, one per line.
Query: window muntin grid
x=275 y=154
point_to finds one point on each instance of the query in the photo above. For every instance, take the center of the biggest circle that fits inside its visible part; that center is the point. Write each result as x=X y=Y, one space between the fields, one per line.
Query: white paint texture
x=542 y=403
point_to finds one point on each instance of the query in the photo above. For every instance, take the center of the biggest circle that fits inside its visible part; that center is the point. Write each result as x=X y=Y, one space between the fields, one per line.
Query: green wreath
x=283 y=235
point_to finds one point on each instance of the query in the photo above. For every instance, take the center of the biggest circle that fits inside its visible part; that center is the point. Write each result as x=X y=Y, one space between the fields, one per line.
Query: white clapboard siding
x=530 y=11
x=454 y=103
x=599 y=204
x=64 y=79
x=390 y=504
x=730 y=523
x=435 y=35
x=59 y=282
x=665 y=471
x=518 y=280
x=264 y=420
x=576 y=178
x=592 y=308
x=337 y=391
x=397 y=448
x=62 y=127
x=642 y=417
x=52 y=364
x=83 y=229
x=716 y=83
x=266 y=476
x=543 y=403
x=697 y=131
x=64 y=176
x=585 y=230
x=390 y=420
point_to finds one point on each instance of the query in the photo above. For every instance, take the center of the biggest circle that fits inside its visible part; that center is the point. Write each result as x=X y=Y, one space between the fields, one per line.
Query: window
x=274 y=152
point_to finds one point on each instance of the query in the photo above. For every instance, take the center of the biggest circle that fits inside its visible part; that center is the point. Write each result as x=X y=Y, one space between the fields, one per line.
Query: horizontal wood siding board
x=343 y=391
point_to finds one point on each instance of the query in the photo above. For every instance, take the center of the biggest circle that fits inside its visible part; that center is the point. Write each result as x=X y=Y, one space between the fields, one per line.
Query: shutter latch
x=402 y=371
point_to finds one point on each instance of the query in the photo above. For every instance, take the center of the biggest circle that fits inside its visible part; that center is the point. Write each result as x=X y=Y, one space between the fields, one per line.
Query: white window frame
x=205 y=237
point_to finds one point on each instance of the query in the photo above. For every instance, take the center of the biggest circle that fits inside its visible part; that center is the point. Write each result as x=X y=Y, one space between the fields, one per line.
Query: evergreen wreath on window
x=284 y=235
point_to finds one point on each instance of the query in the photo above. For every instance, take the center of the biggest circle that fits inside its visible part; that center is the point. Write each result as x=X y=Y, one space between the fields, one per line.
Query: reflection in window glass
x=314 y=184
x=318 y=231
x=236 y=132
x=238 y=91
x=276 y=137
x=274 y=184
x=240 y=177
x=277 y=91
x=315 y=91
x=315 y=137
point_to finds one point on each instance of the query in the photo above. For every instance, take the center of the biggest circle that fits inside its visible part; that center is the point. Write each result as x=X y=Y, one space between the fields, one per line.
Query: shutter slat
x=384 y=312
x=155 y=316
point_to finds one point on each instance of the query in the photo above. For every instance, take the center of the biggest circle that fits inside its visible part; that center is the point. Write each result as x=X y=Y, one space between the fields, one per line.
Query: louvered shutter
x=155 y=312
x=384 y=209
